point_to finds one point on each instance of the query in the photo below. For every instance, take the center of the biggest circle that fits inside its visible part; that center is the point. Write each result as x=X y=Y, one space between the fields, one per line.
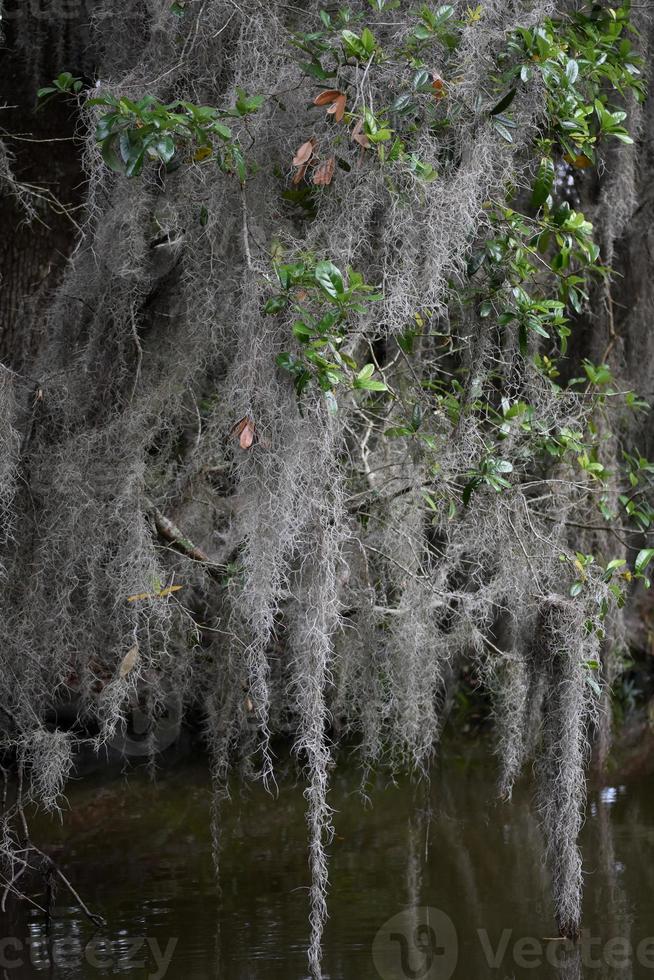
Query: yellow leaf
x=154 y=595
x=129 y=661
x=202 y=153
x=581 y=162
x=169 y=589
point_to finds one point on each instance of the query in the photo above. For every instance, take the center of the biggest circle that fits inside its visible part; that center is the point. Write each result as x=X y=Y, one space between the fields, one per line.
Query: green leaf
x=102 y=100
x=302 y=331
x=504 y=103
x=135 y=164
x=572 y=71
x=332 y=404
x=431 y=503
x=368 y=41
x=403 y=103
x=110 y=155
x=422 y=81
x=592 y=683
x=165 y=149
x=354 y=45
x=398 y=431
x=330 y=279
x=576 y=588
x=316 y=70
x=366 y=372
x=132 y=150
x=371 y=385
x=220 y=130
x=241 y=167
x=643 y=558
x=502 y=130
x=326 y=322
x=543 y=183
x=443 y=14
x=275 y=305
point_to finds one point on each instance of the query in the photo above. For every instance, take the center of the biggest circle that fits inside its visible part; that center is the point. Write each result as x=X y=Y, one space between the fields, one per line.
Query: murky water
x=458 y=875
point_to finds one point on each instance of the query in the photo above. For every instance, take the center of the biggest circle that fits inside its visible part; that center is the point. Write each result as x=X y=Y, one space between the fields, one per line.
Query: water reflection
x=142 y=855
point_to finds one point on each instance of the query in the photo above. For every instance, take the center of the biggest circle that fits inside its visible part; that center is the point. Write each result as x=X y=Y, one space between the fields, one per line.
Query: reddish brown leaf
x=245 y=430
x=337 y=109
x=299 y=174
x=359 y=136
x=247 y=437
x=328 y=96
x=304 y=153
x=323 y=174
x=438 y=85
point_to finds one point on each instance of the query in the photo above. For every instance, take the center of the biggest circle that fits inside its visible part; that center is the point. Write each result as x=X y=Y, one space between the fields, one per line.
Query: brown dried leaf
x=245 y=430
x=328 y=96
x=304 y=153
x=359 y=136
x=337 y=109
x=438 y=85
x=129 y=661
x=247 y=436
x=324 y=173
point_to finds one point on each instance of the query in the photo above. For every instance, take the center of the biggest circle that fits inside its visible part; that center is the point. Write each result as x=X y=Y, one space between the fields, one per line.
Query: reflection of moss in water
x=141 y=853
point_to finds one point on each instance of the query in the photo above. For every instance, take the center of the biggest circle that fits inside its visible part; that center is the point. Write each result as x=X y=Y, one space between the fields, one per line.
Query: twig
x=10 y=887
x=522 y=548
x=139 y=354
x=51 y=864
x=168 y=530
x=20 y=895
x=246 y=231
x=10 y=715
x=19 y=804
